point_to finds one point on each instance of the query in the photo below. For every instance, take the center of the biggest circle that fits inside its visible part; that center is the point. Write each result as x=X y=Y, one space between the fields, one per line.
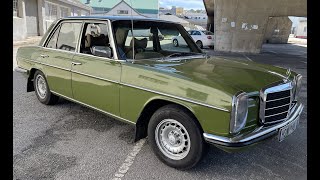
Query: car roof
x=116 y=18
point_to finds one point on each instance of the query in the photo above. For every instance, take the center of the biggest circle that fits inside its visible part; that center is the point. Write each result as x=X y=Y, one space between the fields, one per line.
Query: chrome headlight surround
x=298 y=85
x=239 y=112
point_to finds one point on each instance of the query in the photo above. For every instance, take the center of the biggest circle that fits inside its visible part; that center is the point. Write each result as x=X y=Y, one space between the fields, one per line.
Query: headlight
x=298 y=84
x=239 y=112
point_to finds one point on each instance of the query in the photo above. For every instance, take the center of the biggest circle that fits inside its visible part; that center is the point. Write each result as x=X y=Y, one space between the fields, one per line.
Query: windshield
x=153 y=40
x=207 y=32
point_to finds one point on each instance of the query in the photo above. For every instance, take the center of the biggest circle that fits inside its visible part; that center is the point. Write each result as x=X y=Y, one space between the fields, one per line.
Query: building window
x=51 y=11
x=15 y=8
x=122 y=11
x=64 y=12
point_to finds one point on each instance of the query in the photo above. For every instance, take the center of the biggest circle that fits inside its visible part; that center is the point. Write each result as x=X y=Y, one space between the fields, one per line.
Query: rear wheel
x=42 y=89
x=175 y=137
x=175 y=43
x=199 y=43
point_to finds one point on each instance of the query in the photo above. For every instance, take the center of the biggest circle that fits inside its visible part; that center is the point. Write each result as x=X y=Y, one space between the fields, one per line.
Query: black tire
x=48 y=98
x=199 y=43
x=197 y=144
x=175 y=43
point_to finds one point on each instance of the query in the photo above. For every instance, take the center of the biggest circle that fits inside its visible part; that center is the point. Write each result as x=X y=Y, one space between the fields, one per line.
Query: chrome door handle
x=44 y=56
x=76 y=63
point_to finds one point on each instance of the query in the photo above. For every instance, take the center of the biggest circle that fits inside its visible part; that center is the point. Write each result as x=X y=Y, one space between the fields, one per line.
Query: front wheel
x=199 y=43
x=175 y=137
x=42 y=89
x=175 y=43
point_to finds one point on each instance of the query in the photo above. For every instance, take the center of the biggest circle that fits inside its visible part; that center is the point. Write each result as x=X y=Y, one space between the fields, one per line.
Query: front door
x=57 y=56
x=96 y=77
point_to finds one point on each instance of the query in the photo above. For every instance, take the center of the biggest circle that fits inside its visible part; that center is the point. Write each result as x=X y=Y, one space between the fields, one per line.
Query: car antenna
x=133 y=54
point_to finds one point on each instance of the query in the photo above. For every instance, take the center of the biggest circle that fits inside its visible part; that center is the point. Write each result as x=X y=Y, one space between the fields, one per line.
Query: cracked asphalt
x=68 y=141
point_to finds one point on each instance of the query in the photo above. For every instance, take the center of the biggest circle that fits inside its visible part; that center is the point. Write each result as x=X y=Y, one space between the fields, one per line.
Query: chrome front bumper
x=257 y=135
x=20 y=70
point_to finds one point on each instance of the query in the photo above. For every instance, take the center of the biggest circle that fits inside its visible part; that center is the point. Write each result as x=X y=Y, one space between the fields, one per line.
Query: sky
x=186 y=4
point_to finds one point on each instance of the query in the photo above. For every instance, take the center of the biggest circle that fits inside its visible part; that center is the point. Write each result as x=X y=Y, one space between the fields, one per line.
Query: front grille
x=275 y=105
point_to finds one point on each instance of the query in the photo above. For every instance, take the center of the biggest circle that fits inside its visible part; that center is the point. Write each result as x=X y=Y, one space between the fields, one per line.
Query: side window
x=197 y=33
x=68 y=36
x=95 y=40
x=53 y=41
x=143 y=39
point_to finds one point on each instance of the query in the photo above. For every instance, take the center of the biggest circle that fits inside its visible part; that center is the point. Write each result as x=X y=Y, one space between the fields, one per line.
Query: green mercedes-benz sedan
x=178 y=96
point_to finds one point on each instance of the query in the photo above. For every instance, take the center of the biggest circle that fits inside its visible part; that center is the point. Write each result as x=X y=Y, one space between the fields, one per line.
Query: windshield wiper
x=180 y=54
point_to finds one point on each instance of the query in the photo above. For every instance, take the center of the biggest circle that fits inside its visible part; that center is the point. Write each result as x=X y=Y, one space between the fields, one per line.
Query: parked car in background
x=179 y=97
x=202 y=39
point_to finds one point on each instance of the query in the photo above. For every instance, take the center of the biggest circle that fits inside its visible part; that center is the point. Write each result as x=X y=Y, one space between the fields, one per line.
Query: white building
x=122 y=9
x=146 y=8
x=301 y=31
x=197 y=18
x=33 y=17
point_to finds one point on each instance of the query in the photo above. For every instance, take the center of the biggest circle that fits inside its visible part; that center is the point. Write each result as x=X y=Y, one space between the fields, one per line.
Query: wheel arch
x=150 y=108
x=30 y=87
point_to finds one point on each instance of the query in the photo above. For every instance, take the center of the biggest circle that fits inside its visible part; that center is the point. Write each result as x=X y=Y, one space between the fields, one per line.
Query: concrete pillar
x=41 y=15
x=278 y=30
x=20 y=23
x=240 y=25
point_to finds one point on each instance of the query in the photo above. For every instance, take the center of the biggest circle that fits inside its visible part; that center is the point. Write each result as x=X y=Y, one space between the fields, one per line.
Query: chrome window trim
x=59 y=23
x=59 y=50
x=107 y=22
x=50 y=34
x=274 y=87
x=100 y=110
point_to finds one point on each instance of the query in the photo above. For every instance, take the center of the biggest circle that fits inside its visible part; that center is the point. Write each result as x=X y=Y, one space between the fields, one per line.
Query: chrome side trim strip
x=177 y=97
x=48 y=65
x=261 y=131
x=92 y=76
x=97 y=109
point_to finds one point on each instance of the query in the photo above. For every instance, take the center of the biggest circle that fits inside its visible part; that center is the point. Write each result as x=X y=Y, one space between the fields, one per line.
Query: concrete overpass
x=240 y=25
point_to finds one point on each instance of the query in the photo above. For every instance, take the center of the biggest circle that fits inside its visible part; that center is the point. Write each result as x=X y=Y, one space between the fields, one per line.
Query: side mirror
x=102 y=51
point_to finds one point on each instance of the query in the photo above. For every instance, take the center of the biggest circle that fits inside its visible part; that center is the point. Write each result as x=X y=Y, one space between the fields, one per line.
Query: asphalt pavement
x=68 y=141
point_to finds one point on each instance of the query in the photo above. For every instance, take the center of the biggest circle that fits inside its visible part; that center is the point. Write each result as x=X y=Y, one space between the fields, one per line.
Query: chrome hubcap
x=172 y=139
x=175 y=42
x=41 y=86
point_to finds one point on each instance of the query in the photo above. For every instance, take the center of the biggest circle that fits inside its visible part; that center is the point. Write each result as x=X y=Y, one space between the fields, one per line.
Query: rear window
x=207 y=32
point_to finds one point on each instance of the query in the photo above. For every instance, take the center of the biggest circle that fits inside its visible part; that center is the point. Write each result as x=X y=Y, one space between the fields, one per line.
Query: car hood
x=224 y=74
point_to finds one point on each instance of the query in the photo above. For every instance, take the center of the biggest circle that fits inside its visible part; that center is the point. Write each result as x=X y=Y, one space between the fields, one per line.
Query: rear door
x=95 y=80
x=57 y=55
